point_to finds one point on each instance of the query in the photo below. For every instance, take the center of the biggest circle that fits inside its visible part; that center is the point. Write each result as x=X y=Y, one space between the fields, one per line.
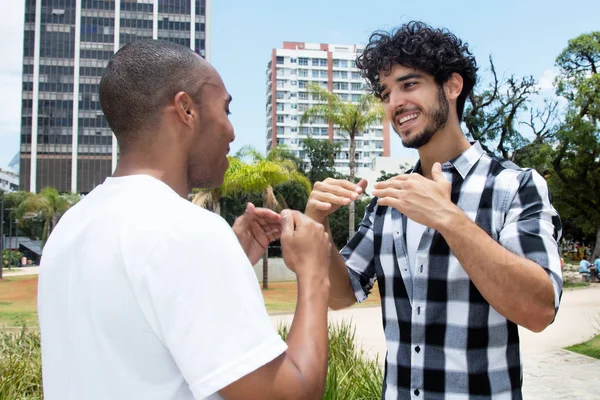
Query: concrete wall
x=278 y=272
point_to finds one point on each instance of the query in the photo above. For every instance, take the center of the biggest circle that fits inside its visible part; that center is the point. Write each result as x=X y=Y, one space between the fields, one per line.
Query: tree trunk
x=596 y=252
x=351 y=206
x=266 y=269
x=265 y=285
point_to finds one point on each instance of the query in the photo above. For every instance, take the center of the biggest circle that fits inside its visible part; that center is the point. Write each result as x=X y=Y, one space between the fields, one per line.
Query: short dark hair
x=436 y=52
x=141 y=79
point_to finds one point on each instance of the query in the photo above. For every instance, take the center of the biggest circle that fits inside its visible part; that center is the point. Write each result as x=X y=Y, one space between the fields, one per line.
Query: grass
x=281 y=297
x=18 y=301
x=591 y=348
x=20 y=365
x=351 y=374
x=575 y=285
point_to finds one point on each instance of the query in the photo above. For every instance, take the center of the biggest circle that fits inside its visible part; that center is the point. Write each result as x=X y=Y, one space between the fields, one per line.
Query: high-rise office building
x=289 y=73
x=65 y=140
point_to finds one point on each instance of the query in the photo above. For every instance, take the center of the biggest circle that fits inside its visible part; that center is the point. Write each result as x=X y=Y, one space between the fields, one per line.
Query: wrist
x=452 y=219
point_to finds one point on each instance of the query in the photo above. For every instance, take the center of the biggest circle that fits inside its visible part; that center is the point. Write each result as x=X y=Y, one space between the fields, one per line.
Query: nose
x=396 y=102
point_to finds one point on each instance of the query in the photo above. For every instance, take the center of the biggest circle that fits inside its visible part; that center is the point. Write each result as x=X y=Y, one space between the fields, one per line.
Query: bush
x=352 y=374
x=20 y=365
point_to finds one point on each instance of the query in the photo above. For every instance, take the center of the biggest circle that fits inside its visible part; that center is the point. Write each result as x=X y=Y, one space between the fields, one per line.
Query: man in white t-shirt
x=143 y=295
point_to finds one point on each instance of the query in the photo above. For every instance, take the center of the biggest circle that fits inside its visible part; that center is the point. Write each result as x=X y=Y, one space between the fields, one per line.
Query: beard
x=437 y=117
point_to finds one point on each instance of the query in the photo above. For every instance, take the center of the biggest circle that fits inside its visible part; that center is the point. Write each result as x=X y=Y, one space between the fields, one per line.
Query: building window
x=294 y=129
x=323 y=74
x=315 y=74
x=293 y=60
x=303 y=96
x=302 y=61
x=293 y=83
x=356 y=75
x=280 y=95
x=279 y=72
x=294 y=106
x=279 y=60
x=280 y=119
x=356 y=86
x=280 y=131
x=303 y=73
x=356 y=97
x=280 y=83
x=280 y=106
x=302 y=84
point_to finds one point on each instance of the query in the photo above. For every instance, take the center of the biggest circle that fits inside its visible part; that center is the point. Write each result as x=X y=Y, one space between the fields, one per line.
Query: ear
x=453 y=86
x=184 y=108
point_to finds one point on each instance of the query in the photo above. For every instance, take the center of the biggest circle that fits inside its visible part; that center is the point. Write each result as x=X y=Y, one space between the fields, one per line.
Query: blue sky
x=524 y=37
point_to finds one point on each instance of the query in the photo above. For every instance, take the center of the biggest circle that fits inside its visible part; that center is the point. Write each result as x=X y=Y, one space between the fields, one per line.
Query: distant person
x=119 y=319
x=584 y=269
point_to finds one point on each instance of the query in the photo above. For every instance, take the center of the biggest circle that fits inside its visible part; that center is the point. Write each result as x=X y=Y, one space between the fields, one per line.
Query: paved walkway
x=21 y=271
x=549 y=372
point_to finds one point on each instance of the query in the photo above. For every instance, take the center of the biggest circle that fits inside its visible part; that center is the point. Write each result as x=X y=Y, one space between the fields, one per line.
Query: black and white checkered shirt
x=444 y=340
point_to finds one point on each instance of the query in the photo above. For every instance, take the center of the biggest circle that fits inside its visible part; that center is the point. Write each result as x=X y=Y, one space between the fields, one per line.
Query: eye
x=409 y=85
x=385 y=97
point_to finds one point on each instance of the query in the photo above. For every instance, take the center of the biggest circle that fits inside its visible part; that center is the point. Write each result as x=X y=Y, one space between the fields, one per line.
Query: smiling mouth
x=407 y=118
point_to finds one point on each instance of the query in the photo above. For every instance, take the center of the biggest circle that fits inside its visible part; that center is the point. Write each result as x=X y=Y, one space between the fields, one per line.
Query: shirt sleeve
x=207 y=304
x=359 y=255
x=532 y=226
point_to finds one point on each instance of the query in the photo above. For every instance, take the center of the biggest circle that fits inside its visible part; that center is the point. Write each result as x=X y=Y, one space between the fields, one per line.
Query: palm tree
x=211 y=198
x=351 y=117
x=48 y=205
x=260 y=175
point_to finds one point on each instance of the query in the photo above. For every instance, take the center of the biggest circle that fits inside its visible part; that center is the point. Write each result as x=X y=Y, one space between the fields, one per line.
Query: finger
x=361 y=186
x=395 y=184
x=349 y=191
x=388 y=192
x=333 y=198
x=266 y=216
x=346 y=184
x=261 y=236
x=287 y=223
x=436 y=173
x=320 y=205
x=390 y=202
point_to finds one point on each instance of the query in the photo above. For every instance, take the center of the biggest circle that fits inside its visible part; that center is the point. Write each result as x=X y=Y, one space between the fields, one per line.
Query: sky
x=523 y=36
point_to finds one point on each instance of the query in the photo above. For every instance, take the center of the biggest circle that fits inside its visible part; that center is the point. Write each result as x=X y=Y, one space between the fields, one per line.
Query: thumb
x=436 y=173
x=249 y=208
x=362 y=185
x=287 y=223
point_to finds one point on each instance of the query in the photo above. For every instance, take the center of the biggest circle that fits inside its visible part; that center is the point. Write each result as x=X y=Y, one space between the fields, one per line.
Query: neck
x=446 y=144
x=170 y=170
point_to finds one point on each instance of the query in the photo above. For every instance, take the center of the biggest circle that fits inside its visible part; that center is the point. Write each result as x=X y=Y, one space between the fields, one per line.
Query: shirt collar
x=463 y=163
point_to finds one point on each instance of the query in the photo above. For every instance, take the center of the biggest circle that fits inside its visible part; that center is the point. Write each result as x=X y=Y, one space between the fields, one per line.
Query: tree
x=321 y=155
x=48 y=206
x=259 y=174
x=574 y=175
x=350 y=117
x=492 y=114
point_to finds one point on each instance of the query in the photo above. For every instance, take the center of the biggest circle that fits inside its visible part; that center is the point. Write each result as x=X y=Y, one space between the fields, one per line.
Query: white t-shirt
x=414 y=232
x=143 y=295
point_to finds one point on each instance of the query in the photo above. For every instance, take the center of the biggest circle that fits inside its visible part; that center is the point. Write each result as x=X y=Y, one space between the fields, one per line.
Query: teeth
x=408 y=118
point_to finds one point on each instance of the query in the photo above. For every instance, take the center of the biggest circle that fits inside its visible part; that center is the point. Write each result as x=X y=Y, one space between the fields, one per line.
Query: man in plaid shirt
x=464 y=247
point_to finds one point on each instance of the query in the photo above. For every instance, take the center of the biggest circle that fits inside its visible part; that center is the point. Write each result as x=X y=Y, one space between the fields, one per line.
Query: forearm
x=341 y=294
x=518 y=288
x=308 y=337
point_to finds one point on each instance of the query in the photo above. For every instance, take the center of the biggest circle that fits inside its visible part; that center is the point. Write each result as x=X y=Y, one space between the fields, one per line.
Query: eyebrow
x=402 y=79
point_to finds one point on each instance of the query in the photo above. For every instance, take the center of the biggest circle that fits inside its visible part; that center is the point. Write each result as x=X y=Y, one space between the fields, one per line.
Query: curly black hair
x=436 y=52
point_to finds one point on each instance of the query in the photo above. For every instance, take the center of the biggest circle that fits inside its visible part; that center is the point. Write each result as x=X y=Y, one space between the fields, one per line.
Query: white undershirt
x=414 y=232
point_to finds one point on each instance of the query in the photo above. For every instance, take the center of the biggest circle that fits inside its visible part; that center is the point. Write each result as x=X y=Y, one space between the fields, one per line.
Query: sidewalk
x=549 y=372
x=21 y=271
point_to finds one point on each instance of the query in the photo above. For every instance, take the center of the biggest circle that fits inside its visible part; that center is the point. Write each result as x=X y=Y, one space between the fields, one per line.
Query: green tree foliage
x=351 y=117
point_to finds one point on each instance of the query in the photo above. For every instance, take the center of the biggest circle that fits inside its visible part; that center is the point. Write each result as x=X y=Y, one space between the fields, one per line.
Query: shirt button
x=419 y=310
x=421 y=268
x=416 y=392
x=417 y=349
